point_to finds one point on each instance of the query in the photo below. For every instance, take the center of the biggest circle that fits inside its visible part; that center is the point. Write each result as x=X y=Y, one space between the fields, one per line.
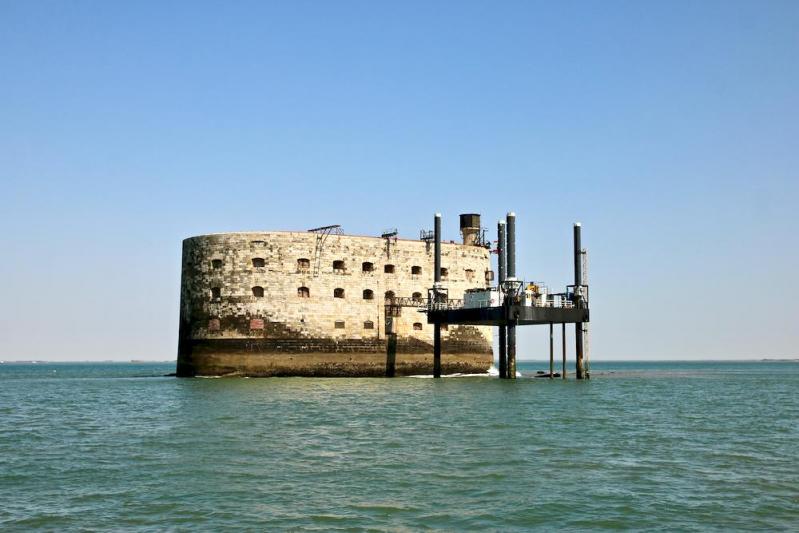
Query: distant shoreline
x=172 y=361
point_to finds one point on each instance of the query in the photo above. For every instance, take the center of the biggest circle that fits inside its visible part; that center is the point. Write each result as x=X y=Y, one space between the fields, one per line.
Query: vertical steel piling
x=503 y=342
x=391 y=355
x=551 y=352
x=563 y=338
x=578 y=300
x=436 y=287
x=511 y=273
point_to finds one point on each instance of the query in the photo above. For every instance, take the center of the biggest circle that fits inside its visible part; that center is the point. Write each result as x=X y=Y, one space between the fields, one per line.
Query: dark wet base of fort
x=325 y=364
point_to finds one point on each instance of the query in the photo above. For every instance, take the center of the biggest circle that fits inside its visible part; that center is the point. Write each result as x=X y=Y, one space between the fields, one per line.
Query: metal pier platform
x=520 y=315
x=514 y=305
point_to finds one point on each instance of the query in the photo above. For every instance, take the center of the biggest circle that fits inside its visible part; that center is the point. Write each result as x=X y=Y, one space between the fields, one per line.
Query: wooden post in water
x=436 y=287
x=563 y=336
x=551 y=352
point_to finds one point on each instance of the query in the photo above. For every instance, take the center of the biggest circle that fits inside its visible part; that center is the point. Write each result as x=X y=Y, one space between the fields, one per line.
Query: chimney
x=470 y=228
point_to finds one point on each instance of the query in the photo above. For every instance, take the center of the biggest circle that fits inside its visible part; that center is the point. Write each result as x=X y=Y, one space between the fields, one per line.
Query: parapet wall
x=281 y=300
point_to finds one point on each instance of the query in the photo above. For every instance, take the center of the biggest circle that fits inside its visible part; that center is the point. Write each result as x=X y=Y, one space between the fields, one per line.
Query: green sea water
x=647 y=446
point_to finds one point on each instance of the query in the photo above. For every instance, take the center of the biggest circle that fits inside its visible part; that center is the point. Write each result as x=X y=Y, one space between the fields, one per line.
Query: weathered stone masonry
x=255 y=304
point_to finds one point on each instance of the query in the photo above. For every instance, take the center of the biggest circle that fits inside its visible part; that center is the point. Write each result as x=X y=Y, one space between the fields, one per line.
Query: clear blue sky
x=669 y=129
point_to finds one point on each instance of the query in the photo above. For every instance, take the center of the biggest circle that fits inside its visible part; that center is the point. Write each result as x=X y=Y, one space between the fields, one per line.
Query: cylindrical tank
x=470 y=228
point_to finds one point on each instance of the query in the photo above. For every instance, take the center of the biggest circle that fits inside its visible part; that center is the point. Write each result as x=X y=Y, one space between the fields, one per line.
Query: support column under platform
x=503 y=353
x=578 y=345
x=391 y=355
x=551 y=352
x=563 y=338
x=511 y=369
x=522 y=316
x=437 y=350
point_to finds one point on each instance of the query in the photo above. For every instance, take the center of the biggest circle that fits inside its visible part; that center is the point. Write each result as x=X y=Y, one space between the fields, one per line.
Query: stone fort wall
x=267 y=299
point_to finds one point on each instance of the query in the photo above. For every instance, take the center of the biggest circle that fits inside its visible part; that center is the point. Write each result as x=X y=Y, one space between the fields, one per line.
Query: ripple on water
x=680 y=446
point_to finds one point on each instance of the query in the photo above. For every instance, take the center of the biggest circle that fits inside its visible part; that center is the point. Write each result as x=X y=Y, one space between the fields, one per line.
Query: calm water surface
x=688 y=446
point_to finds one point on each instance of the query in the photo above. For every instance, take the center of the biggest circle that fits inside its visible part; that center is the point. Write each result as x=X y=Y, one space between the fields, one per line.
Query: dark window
x=338 y=293
x=339 y=324
x=258 y=291
x=469 y=274
x=417 y=326
x=368 y=267
x=216 y=293
x=388 y=269
x=417 y=296
x=338 y=267
x=303 y=265
x=368 y=325
x=368 y=294
x=258 y=262
x=444 y=273
x=303 y=292
x=216 y=263
x=389 y=295
x=489 y=275
x=416 y=270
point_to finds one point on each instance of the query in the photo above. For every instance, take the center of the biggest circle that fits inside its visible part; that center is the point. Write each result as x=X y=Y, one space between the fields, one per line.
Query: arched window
x=258 y=291
x=258 y=262
x=339 y=324
x=216 y=293
x=368 y=325
x=417 y=297
x=216 y=264
x=416 y=270
x=303 y=292
x=368 y=294
x=389 y=295
x=417 y=326
x=338 y=293
x=366 y=266
x=469 y=274
x=339 y=267
x=388 y=269
x=444 y=273
x=303 y=265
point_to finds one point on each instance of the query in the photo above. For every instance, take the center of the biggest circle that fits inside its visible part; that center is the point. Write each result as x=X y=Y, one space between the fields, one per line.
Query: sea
x=687 y=446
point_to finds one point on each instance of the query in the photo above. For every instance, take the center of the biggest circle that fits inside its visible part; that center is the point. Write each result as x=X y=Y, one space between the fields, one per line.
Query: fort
x=313 y=303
